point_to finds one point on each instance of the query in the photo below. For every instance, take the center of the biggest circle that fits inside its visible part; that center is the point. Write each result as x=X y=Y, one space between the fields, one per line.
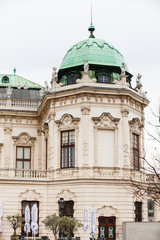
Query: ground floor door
x=107 y=228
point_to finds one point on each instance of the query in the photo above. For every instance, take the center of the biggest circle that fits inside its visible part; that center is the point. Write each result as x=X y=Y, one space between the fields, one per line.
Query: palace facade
x=80 y=140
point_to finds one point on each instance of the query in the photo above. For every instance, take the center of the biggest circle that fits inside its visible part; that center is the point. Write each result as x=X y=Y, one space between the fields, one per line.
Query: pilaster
x=125 y=133
x=85 y=126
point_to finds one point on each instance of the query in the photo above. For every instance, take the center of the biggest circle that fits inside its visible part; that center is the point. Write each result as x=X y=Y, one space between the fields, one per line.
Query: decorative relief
x=85 y=109
x=125 y=112
x=45 y=130
x=30 y=194
x=51 y=116
x=135 y=125
x=67 y=195
x=106 y=121
x=39 y=131
x=125 y=150
x=24 y=139
x=85 y=146
x=106 y=211
x=67 y=122
x=7 y=130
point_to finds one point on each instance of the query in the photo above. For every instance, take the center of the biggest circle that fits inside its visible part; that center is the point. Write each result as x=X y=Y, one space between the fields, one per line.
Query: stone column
x=156 y=212
x=85 y=126
x=125 y=132
x=7 y=147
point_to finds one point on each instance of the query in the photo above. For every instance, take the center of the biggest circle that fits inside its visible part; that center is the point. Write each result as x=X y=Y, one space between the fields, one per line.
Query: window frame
x=5 y=79
x=23 y=159
x=70 y=164
x=135 y=151
x=138 y=211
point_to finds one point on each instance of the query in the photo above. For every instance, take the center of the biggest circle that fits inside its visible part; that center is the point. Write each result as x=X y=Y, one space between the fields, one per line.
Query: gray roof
x=32 y=94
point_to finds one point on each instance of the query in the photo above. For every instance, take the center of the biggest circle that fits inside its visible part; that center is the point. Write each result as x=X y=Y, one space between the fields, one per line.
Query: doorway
x=107 y=228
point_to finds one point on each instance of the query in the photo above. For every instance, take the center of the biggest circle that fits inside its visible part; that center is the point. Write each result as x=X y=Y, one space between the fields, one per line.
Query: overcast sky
x=36 y=34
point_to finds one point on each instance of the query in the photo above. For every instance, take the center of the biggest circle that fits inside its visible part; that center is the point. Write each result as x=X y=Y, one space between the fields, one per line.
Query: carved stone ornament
x=85 y=110
x=136 y=125
x=67 y=122
x=106 y=121
x=125 y=112
x=30 y=194
x=106 y=211
x=66 y=195
x=126 y=150
x=24 y=139
x=85 y=146
x=7 y=130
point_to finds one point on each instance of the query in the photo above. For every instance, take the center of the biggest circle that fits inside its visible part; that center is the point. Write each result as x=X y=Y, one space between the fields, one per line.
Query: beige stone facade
x=103 y=118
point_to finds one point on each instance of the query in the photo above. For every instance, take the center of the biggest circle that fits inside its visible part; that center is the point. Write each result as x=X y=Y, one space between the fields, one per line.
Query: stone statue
x=123 y=70
x=46 y=86
x=86 y=66
x=54 y=74
x=9 y=91
x=25 y=86
x=19 y=85
x=138 y=81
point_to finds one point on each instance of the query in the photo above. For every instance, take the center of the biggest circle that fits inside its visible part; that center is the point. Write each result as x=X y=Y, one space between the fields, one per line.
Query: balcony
x=16 y=174
x=72 y=173
x=15 y=104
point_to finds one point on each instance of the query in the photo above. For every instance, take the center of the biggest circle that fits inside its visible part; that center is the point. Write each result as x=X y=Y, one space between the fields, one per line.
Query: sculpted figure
x=123 y=70
x=86 y=66
x=138 y=81
x=54 y=74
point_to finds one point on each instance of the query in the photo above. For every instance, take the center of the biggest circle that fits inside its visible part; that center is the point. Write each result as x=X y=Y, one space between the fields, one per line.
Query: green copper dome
x=96 y=51
x=15 y=80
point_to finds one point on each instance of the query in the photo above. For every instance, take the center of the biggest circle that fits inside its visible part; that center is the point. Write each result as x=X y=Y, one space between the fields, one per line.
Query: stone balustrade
x=21 y=173
x=73 y=173
x=3 y=102
x=19 y=103
x=152 y=178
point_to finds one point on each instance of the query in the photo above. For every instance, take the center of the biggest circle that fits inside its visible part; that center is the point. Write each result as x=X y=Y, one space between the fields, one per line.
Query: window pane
x=64 y=138
x=19 y=152
x=19 y=164
x=71 y=137
x=27 y=153
x=26 y=164
x=71 y=156
x=64 y=157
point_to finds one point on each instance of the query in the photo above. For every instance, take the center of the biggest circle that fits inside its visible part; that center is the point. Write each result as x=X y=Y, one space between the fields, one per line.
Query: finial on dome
x=91 y=27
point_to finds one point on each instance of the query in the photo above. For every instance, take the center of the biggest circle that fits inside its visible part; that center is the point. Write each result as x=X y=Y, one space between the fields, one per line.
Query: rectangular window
x=138 y=211
x=23 y=160
x=30 y=205
x=135 y=149
x=68 y=149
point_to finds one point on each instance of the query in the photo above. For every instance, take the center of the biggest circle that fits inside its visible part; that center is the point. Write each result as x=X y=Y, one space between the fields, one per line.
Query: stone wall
x=141 y=230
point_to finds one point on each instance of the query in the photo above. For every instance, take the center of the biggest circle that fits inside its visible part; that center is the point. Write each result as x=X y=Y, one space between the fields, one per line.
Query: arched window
x=5 y=79
x=72 y=79
x=103 y=77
